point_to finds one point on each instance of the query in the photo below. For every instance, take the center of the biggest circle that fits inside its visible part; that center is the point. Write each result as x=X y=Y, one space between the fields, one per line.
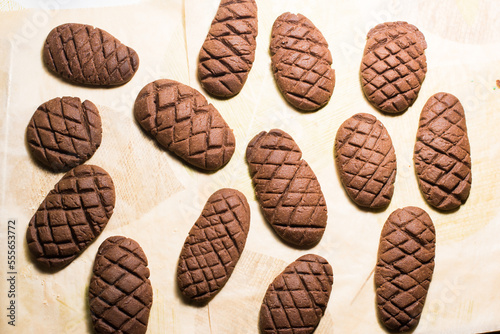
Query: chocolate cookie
x=72 y=215
x=228 y=52
x=301 y=62
x=182 y=121
x=366 y=161
x=214 y=245
x=120 y=293
x=64 y=133
x=296 y=300
x=393 y=66
x=287 y=189
x=86 y=55
x=404 y=267
x=442 y=153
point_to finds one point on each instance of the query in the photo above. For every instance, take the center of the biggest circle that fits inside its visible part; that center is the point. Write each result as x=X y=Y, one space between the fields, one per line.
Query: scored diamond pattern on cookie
x=404 y=268
x=72 y=215
x=228 y=52
x=366 y=161
x=214 y=245
x=120 y=293
x=301 y=62
x=296 y=300
x=287 y=189
x=442 y=153
x=393 y=66
x=183 y=122
x=64 y=133
x=87 y=55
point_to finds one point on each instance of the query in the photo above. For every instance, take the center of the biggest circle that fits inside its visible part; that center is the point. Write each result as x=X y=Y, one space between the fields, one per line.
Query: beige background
x=159 y=198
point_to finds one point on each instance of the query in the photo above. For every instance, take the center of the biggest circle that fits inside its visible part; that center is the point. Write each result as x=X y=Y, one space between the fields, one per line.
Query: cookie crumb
x=498 y=83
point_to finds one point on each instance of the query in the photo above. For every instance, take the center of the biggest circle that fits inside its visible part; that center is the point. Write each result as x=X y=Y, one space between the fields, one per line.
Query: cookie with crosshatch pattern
x=366 y=161
x=442 y=153
x=214 y=245
x=228 y=52
x=64 y=133
x=72 y=216
x=393 y=66
x=87 y=55
x=287 y=189
x=297 y=299
x=404 y=267
x=120 y=292
x=301 y=62
x=182 y=121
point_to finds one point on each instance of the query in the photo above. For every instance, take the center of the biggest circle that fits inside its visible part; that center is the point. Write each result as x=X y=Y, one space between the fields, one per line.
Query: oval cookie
x=182 y=121
x=366 y=161
x=393 y=66
x=120 y=293
x=301 y=62
x=86 y=55
x=404 y=267
x=228 y=52
x=296 y=300
x=72 y=215
x=287 y=188
x=214 y=245
x=442 y=153
x=64 y=133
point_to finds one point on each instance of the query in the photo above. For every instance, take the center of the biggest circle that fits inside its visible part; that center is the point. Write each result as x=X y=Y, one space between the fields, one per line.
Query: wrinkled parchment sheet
x=159 y=198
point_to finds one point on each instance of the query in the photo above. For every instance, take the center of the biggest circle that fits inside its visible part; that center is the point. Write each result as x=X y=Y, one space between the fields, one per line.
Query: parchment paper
x=159 y=198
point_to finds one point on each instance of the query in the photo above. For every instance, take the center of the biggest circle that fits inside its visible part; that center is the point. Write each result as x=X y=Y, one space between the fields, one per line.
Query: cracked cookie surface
x=87 y=55
x=120 y=292
x=442 y=153
x=72 y=216
x=287 y=189
x=394 y=65
x=301 y=62
x=228 y=52
x=404 y=267
x=366 y=161
x=64 y=133
x=182 y=121
x=297 y=299
x=214 y=245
